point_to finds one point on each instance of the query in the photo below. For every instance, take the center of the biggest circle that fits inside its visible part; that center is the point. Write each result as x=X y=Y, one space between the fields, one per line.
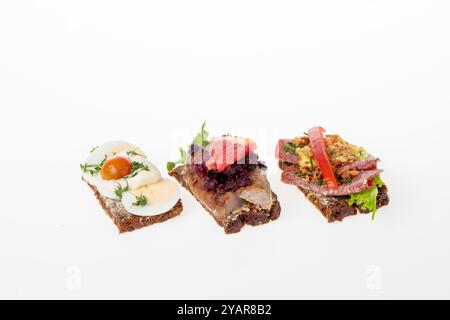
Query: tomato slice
x=320 y=155
x=227 y=150
x=116 y=168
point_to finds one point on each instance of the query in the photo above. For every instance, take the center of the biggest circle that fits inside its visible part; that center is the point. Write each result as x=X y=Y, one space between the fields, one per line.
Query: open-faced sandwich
x=225 y=176
x=340 y=179
x=129 y=187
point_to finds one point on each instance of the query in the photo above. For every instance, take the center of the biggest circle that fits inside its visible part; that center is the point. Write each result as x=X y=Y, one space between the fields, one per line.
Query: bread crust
x=336 y=208
x=127 y=222
x=254 y=216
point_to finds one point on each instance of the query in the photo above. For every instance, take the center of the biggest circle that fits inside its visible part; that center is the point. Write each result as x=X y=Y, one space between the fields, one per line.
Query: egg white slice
x=150 y=209
x=108 y=148
x=144 y=178
x=90 y=178
x=106 y=188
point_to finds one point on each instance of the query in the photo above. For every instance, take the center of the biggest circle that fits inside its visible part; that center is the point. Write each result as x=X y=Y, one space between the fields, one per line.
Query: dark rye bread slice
x=126 y=221
x=336 y=208
x=252 y=216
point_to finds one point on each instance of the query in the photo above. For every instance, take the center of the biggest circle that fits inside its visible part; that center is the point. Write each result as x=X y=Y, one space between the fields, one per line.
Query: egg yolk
x=158 y=192
x=116 y=168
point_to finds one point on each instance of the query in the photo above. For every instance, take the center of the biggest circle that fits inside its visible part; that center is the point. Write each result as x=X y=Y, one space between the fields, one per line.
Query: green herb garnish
x=140 y=201
x=119 y=190
x=93 y=149
x=303 y=174
x=92 y=169
x=136 y=167
x=319 y=182
x=367 y=198
x=290 y=147
x=132 y=153
x=347 y=181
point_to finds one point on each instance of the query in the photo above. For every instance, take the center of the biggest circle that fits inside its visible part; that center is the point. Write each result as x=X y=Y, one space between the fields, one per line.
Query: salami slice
x=283 y=155
x=290 y=157
x=362 y=165
x=359 y=183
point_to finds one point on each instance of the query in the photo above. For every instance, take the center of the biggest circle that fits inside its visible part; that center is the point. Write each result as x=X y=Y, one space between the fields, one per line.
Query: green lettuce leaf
x=367 y=198
x=201 y=138
x=172 y=165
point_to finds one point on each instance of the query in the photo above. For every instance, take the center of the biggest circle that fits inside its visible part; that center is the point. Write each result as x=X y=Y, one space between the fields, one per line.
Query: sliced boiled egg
x=111 y=148
x=120 y=171
x=144 y=177
x=107 y=188
x=160 y=196
x=141 y=178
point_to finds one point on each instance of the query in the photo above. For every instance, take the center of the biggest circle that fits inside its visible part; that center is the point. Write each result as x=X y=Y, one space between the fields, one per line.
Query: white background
x=74 y=74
